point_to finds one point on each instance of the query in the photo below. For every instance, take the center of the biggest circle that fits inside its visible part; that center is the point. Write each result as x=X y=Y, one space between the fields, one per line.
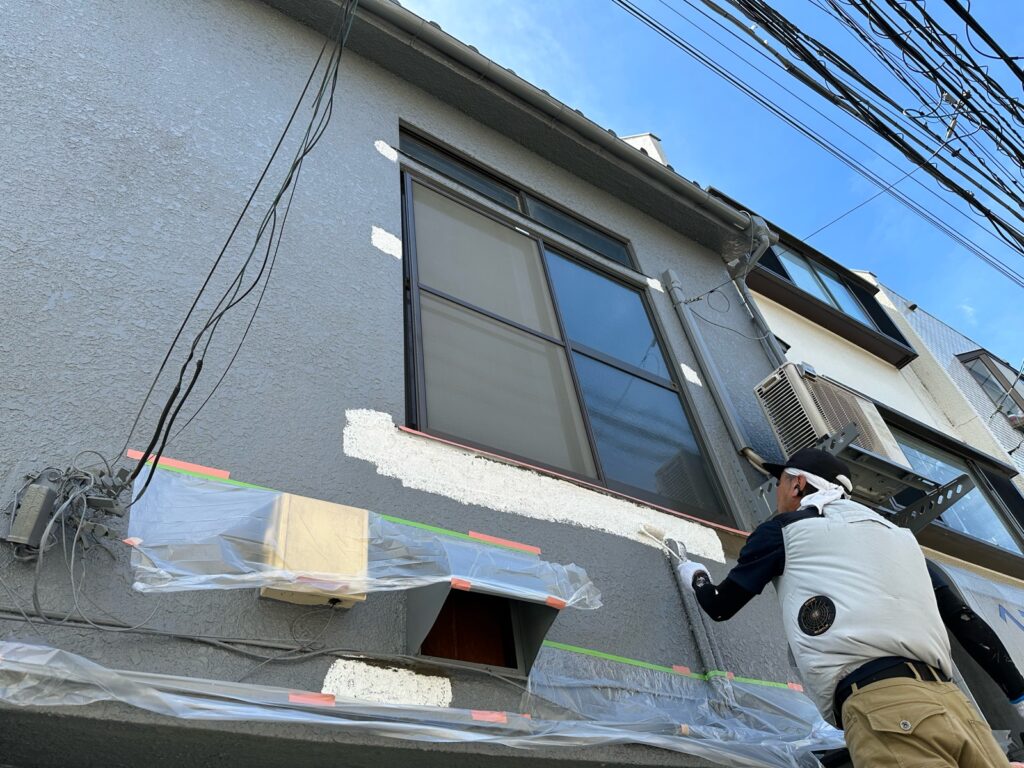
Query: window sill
x=575 y=481
x=972 y=550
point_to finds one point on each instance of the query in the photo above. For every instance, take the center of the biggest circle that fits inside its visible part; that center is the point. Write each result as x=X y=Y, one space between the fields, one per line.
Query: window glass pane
x=992 y=387
x=480 y=261
x=443 y=163
x=846 y=300
x=973 y=514
x=802 y=274
x=643 y=436
x=605 y=315
x=492 y=384
x=578 y=231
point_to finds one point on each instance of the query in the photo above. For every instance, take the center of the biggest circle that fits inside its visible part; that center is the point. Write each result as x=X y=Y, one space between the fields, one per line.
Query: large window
x=975 y=514
x=525 y=351
x=995 y=379
x=823 y=284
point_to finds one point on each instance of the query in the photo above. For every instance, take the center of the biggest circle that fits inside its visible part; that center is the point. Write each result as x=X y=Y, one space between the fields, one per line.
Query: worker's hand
x=689 y=570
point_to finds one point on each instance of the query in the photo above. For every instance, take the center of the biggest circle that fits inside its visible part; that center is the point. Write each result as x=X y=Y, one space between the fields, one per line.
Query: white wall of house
x=845 y=362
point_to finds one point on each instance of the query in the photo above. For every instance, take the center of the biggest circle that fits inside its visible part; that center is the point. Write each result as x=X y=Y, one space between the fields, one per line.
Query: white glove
x=689 y=570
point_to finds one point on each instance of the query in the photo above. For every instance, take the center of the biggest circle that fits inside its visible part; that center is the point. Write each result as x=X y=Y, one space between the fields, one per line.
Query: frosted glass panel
x=480 y=261
x=494 y=385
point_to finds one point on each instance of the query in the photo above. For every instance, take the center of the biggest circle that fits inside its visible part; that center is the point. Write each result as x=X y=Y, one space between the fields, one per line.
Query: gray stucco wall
x=132 y=134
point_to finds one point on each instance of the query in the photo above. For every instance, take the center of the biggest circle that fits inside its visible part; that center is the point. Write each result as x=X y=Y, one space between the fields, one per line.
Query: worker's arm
x=762 y=559
x=977 y=638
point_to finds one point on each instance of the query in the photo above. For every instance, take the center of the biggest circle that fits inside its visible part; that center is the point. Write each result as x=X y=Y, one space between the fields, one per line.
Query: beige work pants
x=907 y=723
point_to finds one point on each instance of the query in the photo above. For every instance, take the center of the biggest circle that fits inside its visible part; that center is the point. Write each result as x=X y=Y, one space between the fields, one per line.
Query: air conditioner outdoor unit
x=803 y=408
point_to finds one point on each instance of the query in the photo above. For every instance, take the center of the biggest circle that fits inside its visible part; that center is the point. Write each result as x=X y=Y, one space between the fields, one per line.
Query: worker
x=864 y=622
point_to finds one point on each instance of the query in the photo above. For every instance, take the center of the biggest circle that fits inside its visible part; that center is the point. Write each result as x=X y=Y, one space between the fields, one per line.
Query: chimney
x=649 y=144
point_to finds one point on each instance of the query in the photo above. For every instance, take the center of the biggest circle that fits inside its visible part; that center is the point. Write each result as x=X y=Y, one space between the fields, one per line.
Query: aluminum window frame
x=977 y=474
x=522 y=193
x=416 y=396
x=994 y=368
x=816 y=270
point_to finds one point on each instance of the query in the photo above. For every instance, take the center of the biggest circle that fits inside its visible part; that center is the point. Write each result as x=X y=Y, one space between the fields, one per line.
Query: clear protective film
x=744 y=717
x=191 y=532
x=627 y=707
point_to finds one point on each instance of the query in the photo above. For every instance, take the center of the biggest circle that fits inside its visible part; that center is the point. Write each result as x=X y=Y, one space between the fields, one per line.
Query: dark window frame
x=947 y=539
x=416 y=417
x=816 y=271
x=989 y=361
x=522 y=193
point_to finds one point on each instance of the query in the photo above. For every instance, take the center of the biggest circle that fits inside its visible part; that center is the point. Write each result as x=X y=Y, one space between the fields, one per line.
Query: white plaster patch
x=690 y=375
x=389 y=152
x=655 y=284
x=446 y=470
x=351 y=679
x=384 y=241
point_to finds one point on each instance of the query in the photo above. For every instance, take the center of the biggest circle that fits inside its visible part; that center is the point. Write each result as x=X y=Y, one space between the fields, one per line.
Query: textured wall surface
x=839 y=359
x=132 y=133
x=978 y=420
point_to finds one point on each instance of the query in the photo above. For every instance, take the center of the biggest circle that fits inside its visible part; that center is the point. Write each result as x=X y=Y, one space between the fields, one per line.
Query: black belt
x=906 y=668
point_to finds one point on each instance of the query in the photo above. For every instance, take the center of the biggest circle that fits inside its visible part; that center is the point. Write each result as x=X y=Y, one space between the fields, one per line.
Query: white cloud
x=969 y=312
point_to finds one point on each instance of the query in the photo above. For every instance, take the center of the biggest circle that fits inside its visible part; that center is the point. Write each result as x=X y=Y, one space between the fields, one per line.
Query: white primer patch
x=690 y=375
x=655 y=284
x=428 y=465
x=389 y=152
x=351 y=679
x=384 y=241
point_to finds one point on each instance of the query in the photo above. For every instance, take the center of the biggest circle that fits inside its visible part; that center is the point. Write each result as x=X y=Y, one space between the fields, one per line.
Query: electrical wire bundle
x=267 y=243
x=939 y=128
x=87 y=500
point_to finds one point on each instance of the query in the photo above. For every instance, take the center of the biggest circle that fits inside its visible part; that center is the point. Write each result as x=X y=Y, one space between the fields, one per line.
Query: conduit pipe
x=705 y=361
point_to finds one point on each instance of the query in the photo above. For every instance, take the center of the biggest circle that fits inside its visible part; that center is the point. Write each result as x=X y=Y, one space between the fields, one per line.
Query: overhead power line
x=769 y=105
x=267 y=242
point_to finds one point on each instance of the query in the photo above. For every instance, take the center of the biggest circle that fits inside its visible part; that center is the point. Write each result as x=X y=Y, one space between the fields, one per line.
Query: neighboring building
x=990 y=410
x=487 y=324
x=862 y=358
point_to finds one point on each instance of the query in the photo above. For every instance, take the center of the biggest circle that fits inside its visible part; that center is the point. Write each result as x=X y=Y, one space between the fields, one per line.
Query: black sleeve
x=762 y=558
x=977 y=637
x=721 y=602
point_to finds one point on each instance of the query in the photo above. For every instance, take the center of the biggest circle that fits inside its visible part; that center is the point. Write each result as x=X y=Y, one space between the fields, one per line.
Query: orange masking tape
x=795 y=686
x=505 y=542
x=175 y=464
x=462 y=584
x=487 y=716
x=555 y=602
x=681 y=669
x=132 y=541
x=316 y=699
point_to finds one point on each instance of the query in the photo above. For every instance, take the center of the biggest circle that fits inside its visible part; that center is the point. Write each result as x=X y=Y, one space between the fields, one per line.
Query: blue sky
x=596 y=58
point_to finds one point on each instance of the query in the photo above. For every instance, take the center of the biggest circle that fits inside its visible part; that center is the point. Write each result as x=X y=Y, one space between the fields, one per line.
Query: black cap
x=817 y=462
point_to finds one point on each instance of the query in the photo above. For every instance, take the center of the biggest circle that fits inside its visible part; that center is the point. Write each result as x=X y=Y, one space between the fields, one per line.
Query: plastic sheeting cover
x=626 y=710
x=192 y=533
x=752 y=718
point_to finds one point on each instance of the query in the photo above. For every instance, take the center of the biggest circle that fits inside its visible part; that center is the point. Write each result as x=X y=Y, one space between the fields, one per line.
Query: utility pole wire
x=879 y=193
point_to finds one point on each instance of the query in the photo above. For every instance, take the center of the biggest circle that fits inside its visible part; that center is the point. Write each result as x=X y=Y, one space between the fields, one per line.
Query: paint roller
x=657 y=535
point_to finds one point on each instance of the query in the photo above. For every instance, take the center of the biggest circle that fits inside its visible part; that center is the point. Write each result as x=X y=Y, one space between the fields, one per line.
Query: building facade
x=493 y=341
